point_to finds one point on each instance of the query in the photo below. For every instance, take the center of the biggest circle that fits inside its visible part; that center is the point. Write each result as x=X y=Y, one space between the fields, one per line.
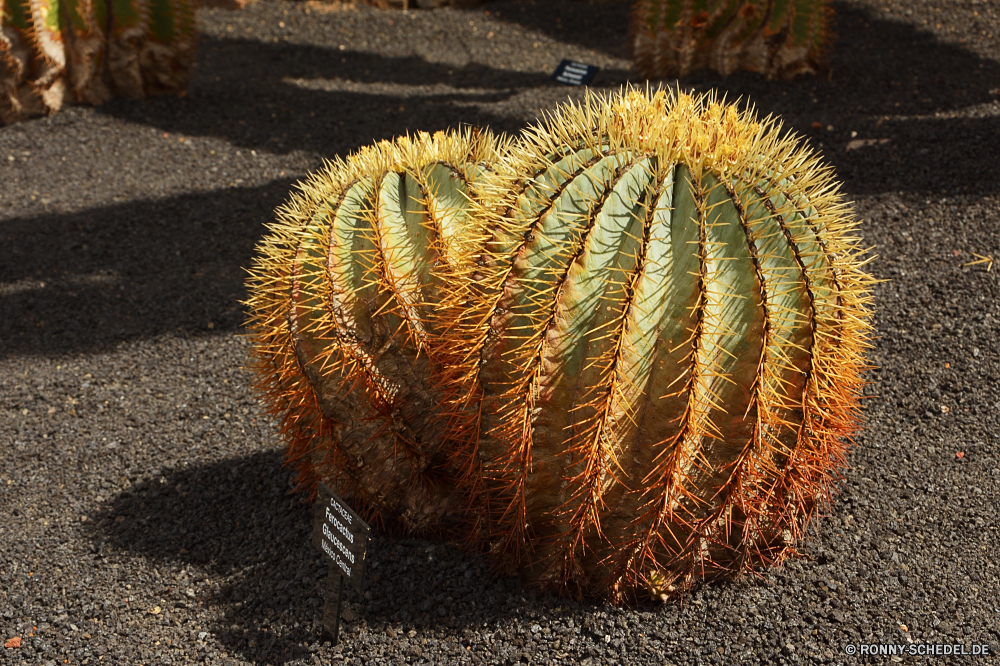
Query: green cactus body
x=663 y=346
x=774 y=37
x=47 y=21
x=809 y=25
x=345 y=320
x=18 y=98
x=129 y=25
x=168 y=51
x=778 y=11
x=86 y=42
x=628 y=356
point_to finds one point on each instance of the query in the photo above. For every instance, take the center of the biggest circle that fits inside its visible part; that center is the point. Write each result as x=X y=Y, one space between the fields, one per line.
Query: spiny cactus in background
x=58 y=51
x=778 y=38
x=344 y=318
x=659 y=352
x=415 y=4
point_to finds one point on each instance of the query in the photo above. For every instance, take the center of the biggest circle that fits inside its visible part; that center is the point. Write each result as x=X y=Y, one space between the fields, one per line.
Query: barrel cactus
x=660 y=347
x=633 y=358
x=58 y=51
x=343 y=309
x=778 y=38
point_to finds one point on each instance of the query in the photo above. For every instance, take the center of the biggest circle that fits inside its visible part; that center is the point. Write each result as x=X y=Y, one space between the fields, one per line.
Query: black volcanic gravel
x=145 y=517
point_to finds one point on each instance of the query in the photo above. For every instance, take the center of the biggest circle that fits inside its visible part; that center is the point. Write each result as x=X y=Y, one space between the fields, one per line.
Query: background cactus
x=344 y=318
x=57 y=51
x=778 y=38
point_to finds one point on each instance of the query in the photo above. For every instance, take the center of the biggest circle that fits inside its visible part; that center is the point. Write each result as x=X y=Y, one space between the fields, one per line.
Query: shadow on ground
x=99 y=277
x=887 y=80
x=583 y=23
x=237 y=521
x=322 y=100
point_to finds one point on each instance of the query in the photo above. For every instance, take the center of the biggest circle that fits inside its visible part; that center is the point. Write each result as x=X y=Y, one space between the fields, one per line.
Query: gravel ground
x=145 y=516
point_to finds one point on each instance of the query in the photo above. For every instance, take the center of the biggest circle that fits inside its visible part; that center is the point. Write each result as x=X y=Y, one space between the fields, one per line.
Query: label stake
x=331 y=617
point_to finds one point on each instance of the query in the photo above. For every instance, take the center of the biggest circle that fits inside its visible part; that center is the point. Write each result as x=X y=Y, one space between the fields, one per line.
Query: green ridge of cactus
x=47 y=22
x=343 y=314
x=86 y=44
x=18 y=97
x=168 y=51
x=58 y=51
x=129 y=27
x=778 y=38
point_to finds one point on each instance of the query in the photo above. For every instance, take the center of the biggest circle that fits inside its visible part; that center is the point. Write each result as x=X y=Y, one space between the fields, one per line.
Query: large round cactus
x=660 y=347
x=630 y=356
x=343 y=296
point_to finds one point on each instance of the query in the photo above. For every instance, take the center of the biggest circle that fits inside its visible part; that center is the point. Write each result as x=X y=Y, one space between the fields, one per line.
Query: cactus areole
x=646 y=365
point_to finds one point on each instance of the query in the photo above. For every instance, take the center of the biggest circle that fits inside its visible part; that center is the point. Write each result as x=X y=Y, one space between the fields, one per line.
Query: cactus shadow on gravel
x=585 y=23
x=912 y=97
x=107 y=275
x=236 y=523
x=891 y=80
x=322 y=100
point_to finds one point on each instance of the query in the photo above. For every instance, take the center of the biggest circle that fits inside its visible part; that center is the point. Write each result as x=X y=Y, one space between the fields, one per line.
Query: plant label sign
x=341 y=535
x=573 y=73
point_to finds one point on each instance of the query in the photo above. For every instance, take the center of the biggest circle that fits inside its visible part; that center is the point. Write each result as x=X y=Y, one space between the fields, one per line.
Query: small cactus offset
x=778 y=38
x=58 y=51
x=344 y=317
x=662 y=342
